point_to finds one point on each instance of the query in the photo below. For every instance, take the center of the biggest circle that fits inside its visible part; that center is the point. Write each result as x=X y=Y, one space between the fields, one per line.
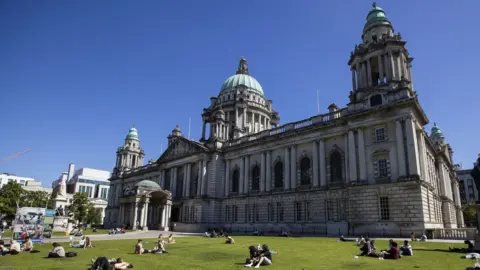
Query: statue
x=242 y=66
x=62 y=189
x=59 y=212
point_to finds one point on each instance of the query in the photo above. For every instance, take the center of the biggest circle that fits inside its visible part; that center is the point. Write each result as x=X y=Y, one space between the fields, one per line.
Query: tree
x=94 y=215
x=36 y=199
x=10 y=195
x=79 y=207
x=469 y=211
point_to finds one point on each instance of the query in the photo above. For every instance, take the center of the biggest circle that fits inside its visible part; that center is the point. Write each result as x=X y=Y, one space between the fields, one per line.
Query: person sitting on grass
x=88 y=243
x=3 y=250
x=160 y=248
x=139 y=248
x=229 y=240
x=81 y=243
x=28 y=245
x=15 y=248
x=423 y=238
x=469 y=248
x=368 y=249
x=57 y=251
x=406 y=249
x=284 y=234
x=254 y=257
x=360 y=241
x=393 y=253
x=171 y=239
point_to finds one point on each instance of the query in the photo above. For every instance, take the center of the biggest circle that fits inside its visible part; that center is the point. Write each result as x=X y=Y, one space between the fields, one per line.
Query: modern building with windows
x=468 y=190
x=93 y=182
x=6 y=178
x=369 y=165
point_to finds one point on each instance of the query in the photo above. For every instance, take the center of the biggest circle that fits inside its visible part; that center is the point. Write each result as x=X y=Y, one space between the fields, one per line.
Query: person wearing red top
x=393 y=253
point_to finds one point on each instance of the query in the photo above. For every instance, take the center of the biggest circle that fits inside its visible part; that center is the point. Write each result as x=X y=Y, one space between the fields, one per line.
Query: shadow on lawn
x=437 y=250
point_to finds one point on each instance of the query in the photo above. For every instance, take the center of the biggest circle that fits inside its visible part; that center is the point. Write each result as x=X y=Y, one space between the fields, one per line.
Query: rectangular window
x=257 y=213
x=271 y=215
x=332 y=210
x=384 y=208
x=227 y=210
x=380 y=135
x=235 y=213
x=382 y=168
x=308 y=215
x=246 y=212
x=279 y=212
x=298 y=212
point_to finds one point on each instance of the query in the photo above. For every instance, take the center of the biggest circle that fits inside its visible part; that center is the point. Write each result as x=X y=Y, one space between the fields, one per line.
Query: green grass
x=208 y=253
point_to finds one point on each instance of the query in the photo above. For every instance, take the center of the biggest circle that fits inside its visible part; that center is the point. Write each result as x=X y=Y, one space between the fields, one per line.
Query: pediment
x=181 y=147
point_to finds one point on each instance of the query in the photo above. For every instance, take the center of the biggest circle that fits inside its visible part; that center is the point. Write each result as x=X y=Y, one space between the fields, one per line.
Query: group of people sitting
x=394 y=252
x=260 y=255
x=85 y=242
x=15 y=247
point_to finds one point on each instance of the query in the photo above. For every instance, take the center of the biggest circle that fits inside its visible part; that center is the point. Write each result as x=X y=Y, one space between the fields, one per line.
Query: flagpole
x=189 y=124
x=318 y=103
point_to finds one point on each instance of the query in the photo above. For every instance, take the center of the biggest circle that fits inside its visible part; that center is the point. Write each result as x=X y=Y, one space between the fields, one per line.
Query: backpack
x=71 y=254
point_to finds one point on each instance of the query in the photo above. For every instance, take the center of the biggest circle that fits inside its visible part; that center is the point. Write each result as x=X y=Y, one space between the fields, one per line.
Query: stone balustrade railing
x=315 y=120
x=456 y=234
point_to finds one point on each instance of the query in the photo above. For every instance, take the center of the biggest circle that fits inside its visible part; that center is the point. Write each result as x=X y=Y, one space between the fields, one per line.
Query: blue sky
x=76 y=75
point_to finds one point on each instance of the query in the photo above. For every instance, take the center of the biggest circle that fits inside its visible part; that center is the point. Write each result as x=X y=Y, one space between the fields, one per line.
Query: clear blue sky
x=76 y=75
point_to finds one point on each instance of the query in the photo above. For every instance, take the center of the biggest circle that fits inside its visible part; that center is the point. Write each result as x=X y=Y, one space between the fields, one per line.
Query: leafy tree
x=35 y=199
x=94 y=215
x=469 y=211
x=79 y=207
x=10 y=195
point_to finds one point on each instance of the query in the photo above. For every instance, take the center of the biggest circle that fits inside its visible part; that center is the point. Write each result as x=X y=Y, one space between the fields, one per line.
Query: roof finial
x=242 y=66
x=374 y=5
x=133 y=125
x=434 y=124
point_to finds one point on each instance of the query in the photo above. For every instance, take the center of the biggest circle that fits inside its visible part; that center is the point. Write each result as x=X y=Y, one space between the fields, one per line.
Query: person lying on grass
x=102 y=263
x=469 y=248
x=343 y=239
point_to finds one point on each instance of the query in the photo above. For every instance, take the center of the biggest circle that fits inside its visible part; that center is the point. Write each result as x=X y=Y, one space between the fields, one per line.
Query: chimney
x=71 y=170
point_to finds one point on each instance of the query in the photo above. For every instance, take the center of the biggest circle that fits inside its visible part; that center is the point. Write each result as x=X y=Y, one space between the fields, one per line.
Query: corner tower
x=130 y=155
x=239 y=109
x=380 y=65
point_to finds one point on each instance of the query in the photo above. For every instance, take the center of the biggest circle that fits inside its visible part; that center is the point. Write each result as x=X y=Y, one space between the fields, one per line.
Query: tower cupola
x=130 y=155
x=176 y=132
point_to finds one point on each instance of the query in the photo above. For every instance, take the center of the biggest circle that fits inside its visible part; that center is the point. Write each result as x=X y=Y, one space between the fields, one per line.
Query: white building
x=370 y=165
x=8 y=177
x=93 y=182
x=468 y=190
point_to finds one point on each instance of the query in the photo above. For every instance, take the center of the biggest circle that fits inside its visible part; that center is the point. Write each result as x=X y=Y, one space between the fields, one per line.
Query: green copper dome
x=376 y=17
x=132 y=134
x=436 y=132
x=242 y=78
x=148 y=184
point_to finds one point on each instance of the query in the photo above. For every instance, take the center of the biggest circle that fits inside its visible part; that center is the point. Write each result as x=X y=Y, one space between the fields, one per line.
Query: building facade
x=468 y=190
x=6 y=178
x=370 y=165
x=93 y=182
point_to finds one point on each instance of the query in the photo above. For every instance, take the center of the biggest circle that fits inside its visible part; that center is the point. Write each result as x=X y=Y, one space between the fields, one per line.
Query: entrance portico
x=148 y=204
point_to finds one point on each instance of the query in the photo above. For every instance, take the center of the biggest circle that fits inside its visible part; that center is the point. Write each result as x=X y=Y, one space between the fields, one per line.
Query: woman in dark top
x=393 y=253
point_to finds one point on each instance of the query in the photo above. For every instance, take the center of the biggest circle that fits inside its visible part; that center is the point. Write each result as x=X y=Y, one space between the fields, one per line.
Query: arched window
x=336 y=174
x=278 y=174
x=235 y=180
x=375 y=100
x=256 y=178
x=305 y=171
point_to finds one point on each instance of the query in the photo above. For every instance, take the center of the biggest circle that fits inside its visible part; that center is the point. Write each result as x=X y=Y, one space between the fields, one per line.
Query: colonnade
x=131 y=212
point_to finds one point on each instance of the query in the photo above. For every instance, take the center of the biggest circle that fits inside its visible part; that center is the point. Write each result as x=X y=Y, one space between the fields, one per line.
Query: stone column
x=162 y=179
x=393 y=72
x=315 y=164
x=184 y=187
x=354 y=83
x=386 y=70
x=362 y=165
x=458 y=205
x=134 y=214
x=173 y=181
x=120 y=215
x=380 y=67
x=293 y=167
x=241 y=186
x=352 y=156
x=265 y=123
x=247 y=174
x=163 y=222
x=245 y=117
x=369 y=72
x=399 y=66
x=189 y=179
x=422 y=155
x=323 y=170
x=199 y=178
x=262 y=172
x=145 y=214
x=286 y=169
x=204 y=124
x=346 y=161
x=269 y=171
x=412 y=147
x=359 y=73
x=400 y=148
x=204 y=178
x=227 y=178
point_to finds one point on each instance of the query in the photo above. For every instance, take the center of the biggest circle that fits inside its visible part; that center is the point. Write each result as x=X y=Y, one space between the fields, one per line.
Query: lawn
x=208 y=253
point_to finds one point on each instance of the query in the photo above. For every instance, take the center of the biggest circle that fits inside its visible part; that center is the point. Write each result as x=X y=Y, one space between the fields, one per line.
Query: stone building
x=369 y=166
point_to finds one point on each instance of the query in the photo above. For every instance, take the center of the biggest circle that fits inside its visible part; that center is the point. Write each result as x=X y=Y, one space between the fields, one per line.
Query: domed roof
x=242 y=78
x=436 y=132
x=148 y=184
x=376 y=17
x=132 y=134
